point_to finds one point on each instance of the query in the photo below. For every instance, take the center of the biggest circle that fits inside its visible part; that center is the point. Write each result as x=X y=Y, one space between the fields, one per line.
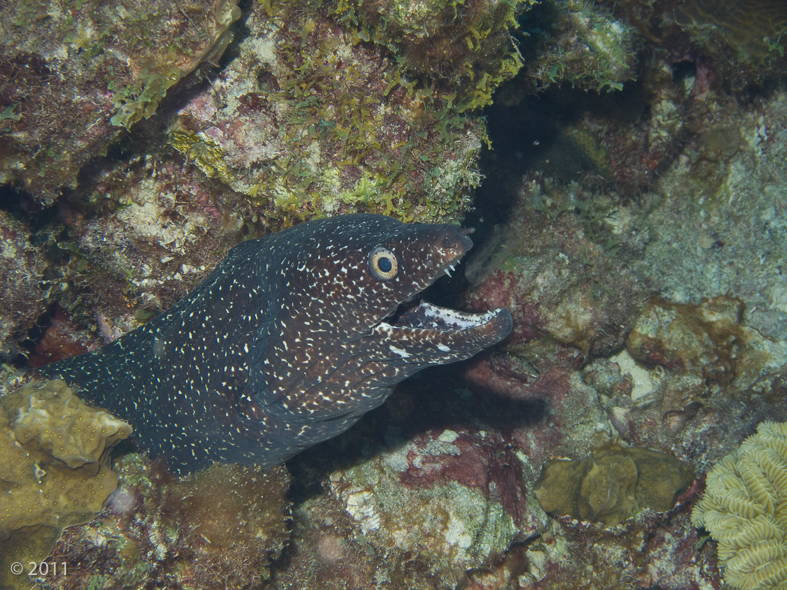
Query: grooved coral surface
x=745 y=510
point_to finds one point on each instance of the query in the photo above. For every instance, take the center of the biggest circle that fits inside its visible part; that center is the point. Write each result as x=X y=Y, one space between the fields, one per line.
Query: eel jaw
x=426 y=316
x=428 y=334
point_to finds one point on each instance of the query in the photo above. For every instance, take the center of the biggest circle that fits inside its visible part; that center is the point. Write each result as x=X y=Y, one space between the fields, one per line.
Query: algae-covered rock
x=745 y=39
x=233 y=523
x=310 y=122
x=466 y=45
x=22 y=298
x=451 y=524
x=222 y=527
x=708 y=339
x=73 y=74
x=589 y=49
x=613 y=484
x=422 y=514
x=53 y=471
x=745 y=510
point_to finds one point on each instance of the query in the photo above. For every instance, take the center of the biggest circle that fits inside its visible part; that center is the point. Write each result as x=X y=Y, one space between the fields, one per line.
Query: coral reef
x=555 y=280
x=651 y=551
x=695 y=356
x=634 y=206
x=589 y=49
x=54 y=471
x=749 y=34
x=413 y=499
x=302 y=122
x=735 y=45
x=467 y=46
x=707 y=339
x=693 y=253
x=612 y=484
x=403 y=507
x=309 y=122
x=73 y=74
x=745 y=509
x=221 y=527
x=22 y=299
x=167 y=232
x=62 y=339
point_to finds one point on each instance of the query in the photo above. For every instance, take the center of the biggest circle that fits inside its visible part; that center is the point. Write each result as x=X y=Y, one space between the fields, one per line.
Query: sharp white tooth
x=446 y=272
x=452 y=267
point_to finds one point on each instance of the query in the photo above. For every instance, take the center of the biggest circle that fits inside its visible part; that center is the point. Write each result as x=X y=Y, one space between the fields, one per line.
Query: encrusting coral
x=745 y=510
x=613 y=484
x=53 y=472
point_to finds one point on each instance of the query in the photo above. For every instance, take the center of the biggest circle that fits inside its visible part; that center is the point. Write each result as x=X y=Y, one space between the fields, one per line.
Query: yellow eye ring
x=383 y=263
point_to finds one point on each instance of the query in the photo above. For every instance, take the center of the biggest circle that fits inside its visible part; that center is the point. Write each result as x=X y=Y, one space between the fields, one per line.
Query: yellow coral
x=745 y=510
x=53 y=472
x=612 y=485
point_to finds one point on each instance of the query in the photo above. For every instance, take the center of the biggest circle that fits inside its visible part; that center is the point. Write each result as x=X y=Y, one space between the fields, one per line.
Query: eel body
x=288 y=342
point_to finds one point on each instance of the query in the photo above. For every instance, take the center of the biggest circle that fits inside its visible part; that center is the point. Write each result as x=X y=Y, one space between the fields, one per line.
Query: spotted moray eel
x=287 y=343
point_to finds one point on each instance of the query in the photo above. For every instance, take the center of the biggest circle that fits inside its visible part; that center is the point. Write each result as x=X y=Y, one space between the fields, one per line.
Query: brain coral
x=745 y=510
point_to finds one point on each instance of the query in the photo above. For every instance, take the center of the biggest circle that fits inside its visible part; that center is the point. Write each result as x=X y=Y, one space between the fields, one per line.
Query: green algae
x=466 y=45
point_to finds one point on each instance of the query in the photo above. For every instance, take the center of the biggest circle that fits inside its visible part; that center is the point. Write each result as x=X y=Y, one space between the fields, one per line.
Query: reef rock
x=72 y=76
x=221 y=527
x=22 y=299
x=706 y=339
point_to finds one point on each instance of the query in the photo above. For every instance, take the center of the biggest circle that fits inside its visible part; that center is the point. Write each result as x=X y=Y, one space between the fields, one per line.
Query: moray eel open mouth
x=418 y=331
x=422 y=315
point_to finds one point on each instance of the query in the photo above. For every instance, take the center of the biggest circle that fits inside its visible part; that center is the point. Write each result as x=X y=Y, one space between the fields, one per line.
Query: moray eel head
x=355 y=296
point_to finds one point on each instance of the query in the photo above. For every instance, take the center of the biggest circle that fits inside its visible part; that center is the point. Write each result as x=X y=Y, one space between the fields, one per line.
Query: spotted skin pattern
x=287 y=343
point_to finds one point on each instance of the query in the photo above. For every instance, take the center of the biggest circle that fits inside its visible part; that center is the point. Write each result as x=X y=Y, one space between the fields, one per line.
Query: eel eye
x=383 y=263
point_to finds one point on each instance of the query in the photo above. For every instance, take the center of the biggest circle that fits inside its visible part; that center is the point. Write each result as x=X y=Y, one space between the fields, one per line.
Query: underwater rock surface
x=223 y=526
x=74 y=75
x=22 y=298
